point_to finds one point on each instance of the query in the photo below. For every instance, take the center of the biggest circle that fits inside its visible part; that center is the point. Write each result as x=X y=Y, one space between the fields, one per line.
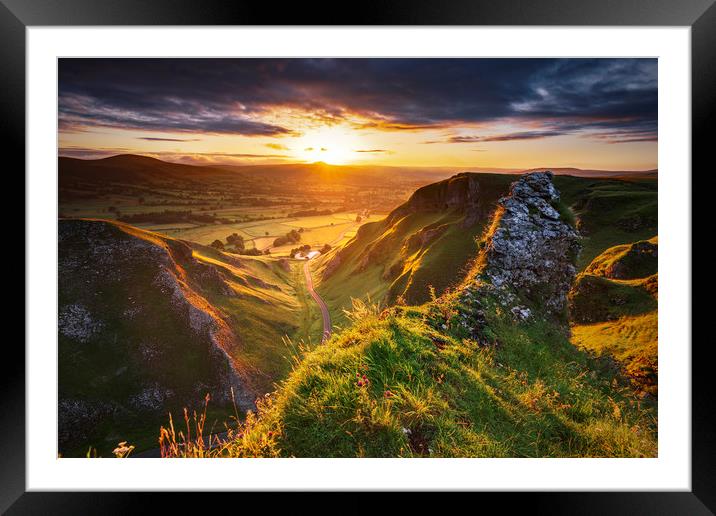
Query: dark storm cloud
x=522 y=135
x=228 y=96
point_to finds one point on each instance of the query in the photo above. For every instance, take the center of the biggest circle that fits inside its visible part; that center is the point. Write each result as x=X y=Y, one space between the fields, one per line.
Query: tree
x=218 y=244
x=291 y=237
x=237 y=241
x=358 y=218
x=294 y=236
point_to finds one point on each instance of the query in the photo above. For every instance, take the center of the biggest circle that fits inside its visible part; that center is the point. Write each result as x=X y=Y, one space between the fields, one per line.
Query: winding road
x=319 y=301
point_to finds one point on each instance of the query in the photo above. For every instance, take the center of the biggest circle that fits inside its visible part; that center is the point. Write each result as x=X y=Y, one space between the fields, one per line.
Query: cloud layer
x=611 y=99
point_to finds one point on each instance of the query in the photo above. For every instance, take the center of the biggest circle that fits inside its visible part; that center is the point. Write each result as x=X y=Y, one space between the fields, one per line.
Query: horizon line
x=348 y=165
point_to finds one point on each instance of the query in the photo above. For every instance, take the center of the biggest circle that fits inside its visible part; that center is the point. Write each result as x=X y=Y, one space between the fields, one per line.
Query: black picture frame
x=700 y=15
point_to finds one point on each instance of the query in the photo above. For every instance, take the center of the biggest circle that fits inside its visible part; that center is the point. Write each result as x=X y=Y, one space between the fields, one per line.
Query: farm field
x=316 y=231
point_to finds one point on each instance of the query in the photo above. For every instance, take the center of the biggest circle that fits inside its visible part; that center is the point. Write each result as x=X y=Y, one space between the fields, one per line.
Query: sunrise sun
x=334 y=145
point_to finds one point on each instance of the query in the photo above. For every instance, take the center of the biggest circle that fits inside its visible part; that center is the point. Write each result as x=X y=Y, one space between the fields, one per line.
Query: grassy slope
x=630 y=264
x=440 y=263
x=631 y=340
x=264 y=316
x=610 y=212
x=370 y=283
x=596 y=299
x=392 y=385
x=439 y=394
x=270 y=303
x=619 y=318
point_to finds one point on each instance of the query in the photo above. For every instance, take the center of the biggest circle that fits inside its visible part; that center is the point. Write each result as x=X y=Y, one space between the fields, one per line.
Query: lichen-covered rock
x=75 y=321
x=531 y=250
x=520 y=313
x=529 y=254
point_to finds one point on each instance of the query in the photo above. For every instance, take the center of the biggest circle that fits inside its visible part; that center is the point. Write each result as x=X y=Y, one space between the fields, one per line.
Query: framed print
x=409 y=251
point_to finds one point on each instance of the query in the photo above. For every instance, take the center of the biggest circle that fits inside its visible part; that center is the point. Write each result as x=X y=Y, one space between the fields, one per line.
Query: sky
x=499 y=113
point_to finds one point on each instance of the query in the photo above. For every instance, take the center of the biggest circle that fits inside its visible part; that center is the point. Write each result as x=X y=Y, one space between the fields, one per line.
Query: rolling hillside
x=610 y=212
x=428 y=241
x=432 y=239
x=144 y=170
x=136 y=170
x=140 y=170
x=613 y=306
x=149 y=324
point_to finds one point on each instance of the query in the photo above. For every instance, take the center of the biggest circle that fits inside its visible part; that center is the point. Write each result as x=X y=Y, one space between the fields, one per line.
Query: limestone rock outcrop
x=532 y=250
x=136 y=330
x=528 y=256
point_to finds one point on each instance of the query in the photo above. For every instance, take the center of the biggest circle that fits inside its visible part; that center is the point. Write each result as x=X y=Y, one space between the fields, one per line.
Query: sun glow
x=335 y=145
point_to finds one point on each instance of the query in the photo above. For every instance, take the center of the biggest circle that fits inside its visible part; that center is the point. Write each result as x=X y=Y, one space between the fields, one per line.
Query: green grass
x=442 y=264
x=631 y=340
x=310 y=323
x=596 y=299
x=429 y=392
x=624 y=258
x=398 y=383
x=609 y=212
x=384 y=241
x=618 y=319
x=438 y=394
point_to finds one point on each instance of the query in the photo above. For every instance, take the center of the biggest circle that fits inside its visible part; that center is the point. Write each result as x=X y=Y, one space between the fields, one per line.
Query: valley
x=178 y=280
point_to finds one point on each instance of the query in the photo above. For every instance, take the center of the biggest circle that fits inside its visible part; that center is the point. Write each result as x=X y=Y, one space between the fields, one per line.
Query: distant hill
x=134 y=170
x=612 y=174
x=146 y=171
x=143 y=170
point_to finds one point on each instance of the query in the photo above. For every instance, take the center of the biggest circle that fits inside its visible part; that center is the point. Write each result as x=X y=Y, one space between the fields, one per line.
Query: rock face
x=136 y=332
x=531 y=251
x=462 y=192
